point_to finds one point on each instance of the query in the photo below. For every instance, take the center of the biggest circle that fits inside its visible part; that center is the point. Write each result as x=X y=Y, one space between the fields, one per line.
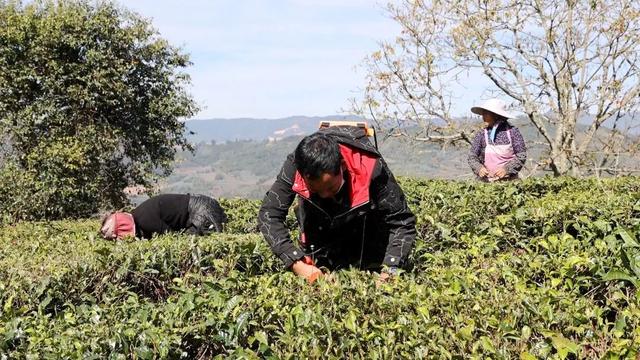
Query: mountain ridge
x=237 y=129
x=241 y=157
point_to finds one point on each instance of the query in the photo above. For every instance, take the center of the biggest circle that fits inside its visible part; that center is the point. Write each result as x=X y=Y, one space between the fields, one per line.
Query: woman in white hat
x=498 y=152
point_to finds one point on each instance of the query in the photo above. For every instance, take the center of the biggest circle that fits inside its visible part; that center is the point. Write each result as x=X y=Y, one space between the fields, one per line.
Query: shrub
x=550 y=270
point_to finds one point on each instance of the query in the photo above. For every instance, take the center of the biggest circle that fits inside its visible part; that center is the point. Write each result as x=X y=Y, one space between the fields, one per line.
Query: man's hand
x=309 y=272
x=382 y=278
x=483 y=172
x=500 y=173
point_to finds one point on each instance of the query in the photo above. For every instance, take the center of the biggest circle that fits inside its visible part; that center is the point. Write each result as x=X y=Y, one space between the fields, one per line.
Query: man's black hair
x=317 y=154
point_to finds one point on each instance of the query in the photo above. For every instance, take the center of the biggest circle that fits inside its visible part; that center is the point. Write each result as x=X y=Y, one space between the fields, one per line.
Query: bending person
x=351 y=210
x=193 y=214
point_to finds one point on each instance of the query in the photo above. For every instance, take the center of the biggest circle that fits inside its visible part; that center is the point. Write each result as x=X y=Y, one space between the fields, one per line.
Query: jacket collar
x=359 y=163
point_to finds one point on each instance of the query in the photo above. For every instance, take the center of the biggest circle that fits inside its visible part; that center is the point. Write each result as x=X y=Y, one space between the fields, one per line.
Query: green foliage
x=243 y=216
x=90 y=102
x=543 y=268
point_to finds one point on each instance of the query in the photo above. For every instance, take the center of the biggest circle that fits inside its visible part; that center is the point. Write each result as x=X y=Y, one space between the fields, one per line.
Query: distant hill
x=247 y=168
x=241 y=157
x=222 y=130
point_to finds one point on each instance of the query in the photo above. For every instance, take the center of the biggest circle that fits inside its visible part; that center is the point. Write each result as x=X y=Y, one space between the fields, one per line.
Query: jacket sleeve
x=273 y=212
x=401 y=222
x=476 y=153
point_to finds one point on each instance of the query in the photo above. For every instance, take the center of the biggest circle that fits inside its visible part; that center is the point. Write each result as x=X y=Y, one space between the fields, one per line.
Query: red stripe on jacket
x=360 y=165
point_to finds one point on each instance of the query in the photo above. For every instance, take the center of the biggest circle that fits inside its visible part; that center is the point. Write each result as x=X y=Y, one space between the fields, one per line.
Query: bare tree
x=560 y=61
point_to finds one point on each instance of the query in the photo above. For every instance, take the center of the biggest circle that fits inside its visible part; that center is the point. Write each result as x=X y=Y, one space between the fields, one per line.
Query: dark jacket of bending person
x=350 y=208
x=193 y=214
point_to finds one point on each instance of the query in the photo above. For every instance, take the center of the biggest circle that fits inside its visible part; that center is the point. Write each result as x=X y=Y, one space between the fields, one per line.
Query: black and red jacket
x=374 y=227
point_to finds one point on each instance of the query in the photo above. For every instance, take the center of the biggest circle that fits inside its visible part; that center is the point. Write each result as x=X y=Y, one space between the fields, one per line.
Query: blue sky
x=271 y=59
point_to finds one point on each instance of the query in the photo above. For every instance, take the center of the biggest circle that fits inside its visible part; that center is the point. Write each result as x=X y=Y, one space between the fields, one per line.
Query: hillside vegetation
x=247 y=168
x=542 y=268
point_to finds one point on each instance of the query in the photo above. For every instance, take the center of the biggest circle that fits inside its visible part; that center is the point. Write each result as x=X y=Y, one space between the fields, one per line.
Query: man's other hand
x=309 y=272
x=382 y=278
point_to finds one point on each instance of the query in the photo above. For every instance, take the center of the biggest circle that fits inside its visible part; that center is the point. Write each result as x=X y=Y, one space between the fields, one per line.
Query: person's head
x=318 y=160
x=117 y=225
x=492 y=111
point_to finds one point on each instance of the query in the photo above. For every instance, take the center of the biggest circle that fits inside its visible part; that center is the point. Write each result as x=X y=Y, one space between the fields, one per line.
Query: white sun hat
x=496 y=106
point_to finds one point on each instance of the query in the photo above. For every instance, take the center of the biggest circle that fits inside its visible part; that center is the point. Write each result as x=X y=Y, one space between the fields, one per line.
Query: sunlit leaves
x=524 y=270
x=91 y=100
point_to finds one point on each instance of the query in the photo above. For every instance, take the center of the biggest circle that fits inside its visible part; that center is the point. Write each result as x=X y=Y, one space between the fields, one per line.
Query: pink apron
x=496 y=156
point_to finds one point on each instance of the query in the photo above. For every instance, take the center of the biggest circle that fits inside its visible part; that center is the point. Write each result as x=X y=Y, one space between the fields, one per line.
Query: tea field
x=537 y=269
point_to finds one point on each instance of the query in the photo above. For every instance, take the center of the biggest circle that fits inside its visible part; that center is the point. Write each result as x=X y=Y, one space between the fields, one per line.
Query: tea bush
x=542 y=268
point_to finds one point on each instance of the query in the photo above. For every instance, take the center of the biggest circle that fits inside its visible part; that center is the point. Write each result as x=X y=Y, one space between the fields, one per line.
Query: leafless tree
x=561 y=62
